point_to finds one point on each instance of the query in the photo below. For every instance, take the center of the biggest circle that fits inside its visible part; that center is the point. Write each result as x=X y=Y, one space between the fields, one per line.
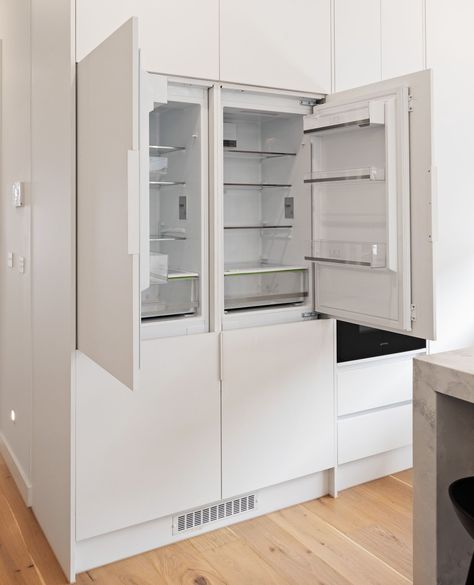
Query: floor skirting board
x=370 y=468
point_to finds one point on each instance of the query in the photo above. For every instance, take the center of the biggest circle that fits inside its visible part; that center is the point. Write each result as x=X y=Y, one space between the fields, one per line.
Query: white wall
x=15 y=317
x=450 y=52
x=53 y=279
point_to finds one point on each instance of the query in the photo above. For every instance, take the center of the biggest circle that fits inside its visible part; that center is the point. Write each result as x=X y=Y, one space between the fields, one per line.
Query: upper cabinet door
x=402 y=37
x=372 y=205
x=276 y=44
x=180 y=37
x=108 y=303
x=357 y=43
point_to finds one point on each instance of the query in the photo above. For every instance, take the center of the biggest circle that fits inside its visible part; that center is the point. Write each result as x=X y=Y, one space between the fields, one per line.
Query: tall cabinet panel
x=277 y=404
x=402 y=37
x=276 y=44
x=179 y=37
x=357 y=43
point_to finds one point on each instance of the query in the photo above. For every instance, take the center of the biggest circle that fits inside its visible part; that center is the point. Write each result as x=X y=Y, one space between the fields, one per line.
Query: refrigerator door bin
x=360 y=174
x=367 y=254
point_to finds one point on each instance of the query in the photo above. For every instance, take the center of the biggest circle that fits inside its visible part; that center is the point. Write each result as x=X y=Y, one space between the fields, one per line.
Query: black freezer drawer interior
x=356 y=342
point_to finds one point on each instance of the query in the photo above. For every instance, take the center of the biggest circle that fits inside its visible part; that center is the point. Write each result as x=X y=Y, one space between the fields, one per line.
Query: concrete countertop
x=450 y=373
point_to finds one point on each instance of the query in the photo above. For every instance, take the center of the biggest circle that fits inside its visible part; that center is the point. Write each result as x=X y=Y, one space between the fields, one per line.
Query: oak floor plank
x=356 y=564
x=292 y=559
x=405 y=476
x=240 y=565
x=16 y=564
x=133 y=571
x=183 y=564
x=377 y=516
x=176 y=564
x=35 y=541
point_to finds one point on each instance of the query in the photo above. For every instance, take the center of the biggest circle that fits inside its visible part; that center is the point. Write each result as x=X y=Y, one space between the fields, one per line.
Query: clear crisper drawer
x=176 y=296
x=258 y=285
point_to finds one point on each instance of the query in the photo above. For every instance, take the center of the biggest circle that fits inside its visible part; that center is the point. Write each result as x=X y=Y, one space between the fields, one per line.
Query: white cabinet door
x=108 y=311
x=372 y=205
x=147 y=454
x=179 y=37
x=276 y=44
x=402 y=37
x=277 y=404
x=357 y=43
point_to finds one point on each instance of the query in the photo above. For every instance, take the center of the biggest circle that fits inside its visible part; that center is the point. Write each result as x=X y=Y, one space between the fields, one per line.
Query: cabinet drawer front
x=375 y=384
x=374 y=432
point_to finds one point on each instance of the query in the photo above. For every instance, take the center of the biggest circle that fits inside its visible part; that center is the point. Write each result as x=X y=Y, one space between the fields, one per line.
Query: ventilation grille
x=203 y=516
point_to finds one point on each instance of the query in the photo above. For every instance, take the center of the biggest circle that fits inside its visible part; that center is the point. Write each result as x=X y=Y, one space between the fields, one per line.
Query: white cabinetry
x=357 y=43
x=144 y=455
x=377 y=39
x=277 y=404
x=374 y=432
x=314 y=208
x=276 y=44
x=370 y=384
x=403 y=47
x=374 y=417
x=179 y=37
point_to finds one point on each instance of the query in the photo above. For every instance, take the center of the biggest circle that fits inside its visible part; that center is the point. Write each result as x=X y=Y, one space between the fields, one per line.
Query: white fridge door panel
x=277 y=404
x=108 y=204
x=374 y=237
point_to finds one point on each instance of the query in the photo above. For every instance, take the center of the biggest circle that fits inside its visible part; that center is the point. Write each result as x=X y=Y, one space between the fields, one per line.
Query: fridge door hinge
x=410 y=103
x=413 y=312
x=310 y=315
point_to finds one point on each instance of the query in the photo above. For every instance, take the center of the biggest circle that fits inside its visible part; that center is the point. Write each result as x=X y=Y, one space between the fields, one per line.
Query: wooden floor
x=364 y=537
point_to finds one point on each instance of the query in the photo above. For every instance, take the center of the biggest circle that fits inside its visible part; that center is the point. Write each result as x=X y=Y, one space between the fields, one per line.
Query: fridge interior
x=354 y=242
x=267 y=220
x=175 y=212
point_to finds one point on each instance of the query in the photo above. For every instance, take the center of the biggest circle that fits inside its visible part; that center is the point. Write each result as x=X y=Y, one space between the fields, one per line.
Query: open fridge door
x=371 y=180
x=108 y=205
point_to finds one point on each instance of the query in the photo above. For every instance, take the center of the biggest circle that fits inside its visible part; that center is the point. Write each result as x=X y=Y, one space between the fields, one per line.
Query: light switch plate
x=10 y=260
x=21 y=264
x=18 y=197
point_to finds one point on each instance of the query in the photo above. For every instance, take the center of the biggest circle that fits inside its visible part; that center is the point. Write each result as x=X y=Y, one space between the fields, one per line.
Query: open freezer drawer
x=371 y=179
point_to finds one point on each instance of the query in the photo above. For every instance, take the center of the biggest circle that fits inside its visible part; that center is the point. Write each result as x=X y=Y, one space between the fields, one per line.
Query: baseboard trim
x=18 y=473
x=120 y=544
x=370 y=468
